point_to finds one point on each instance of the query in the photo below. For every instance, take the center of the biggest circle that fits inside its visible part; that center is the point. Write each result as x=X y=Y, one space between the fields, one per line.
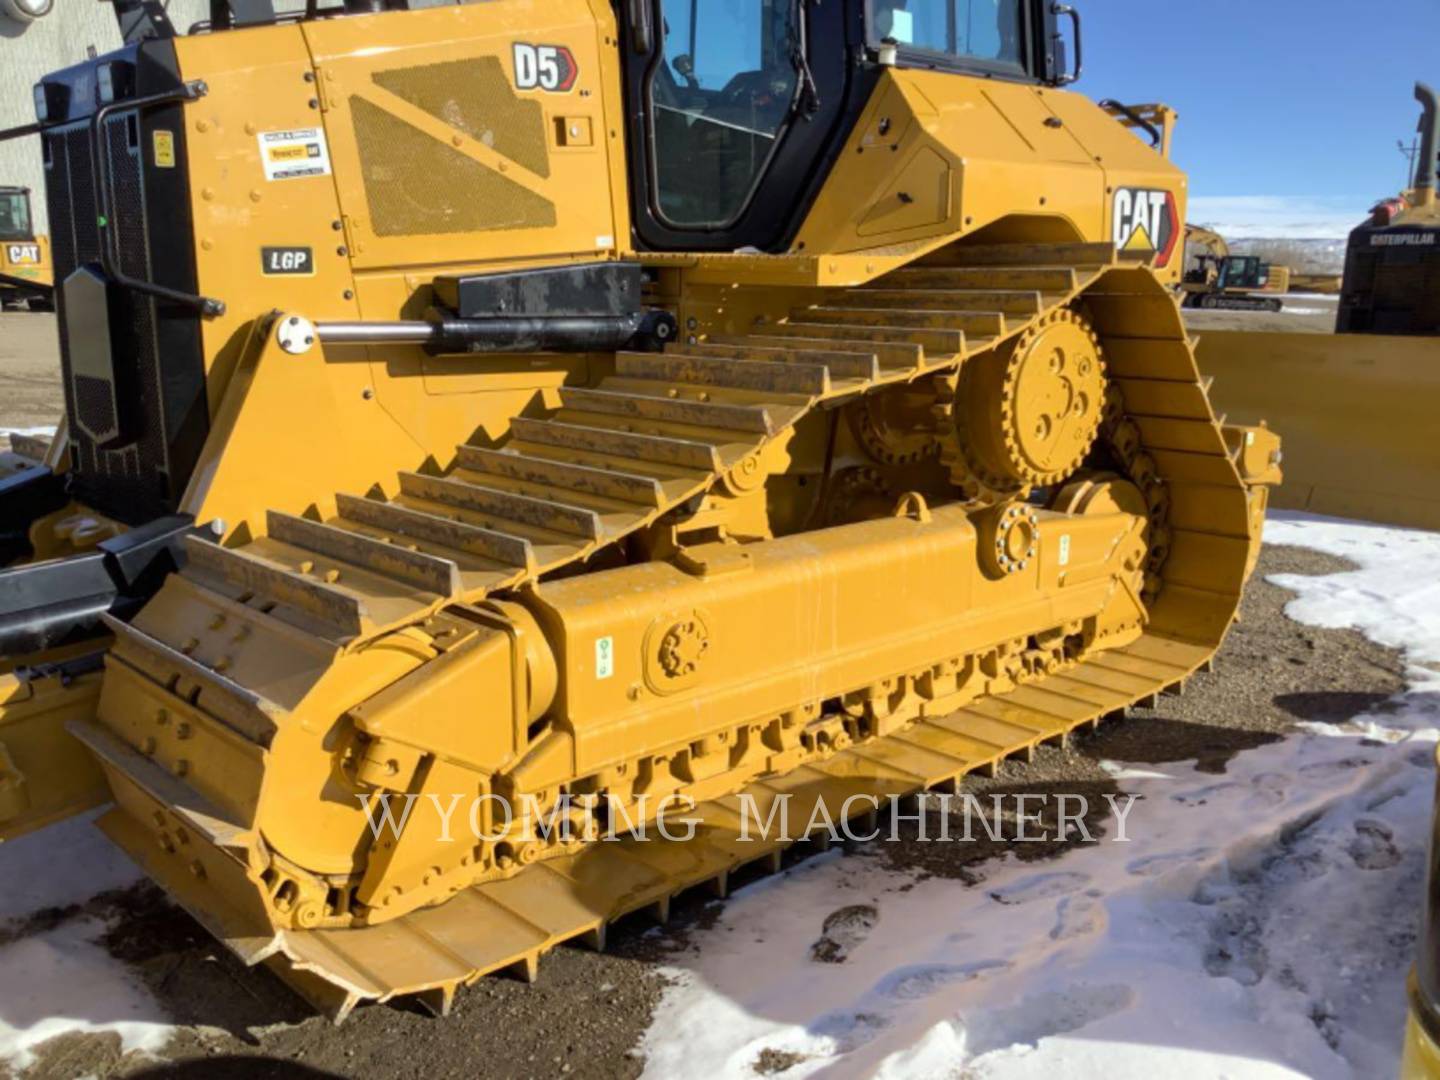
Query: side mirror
x=685 y=67
x=1063 y=74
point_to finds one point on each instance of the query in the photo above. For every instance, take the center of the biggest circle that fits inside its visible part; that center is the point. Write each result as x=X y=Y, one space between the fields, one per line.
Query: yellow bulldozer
x=493 y=428
x=1377 y=378
x=25 y=273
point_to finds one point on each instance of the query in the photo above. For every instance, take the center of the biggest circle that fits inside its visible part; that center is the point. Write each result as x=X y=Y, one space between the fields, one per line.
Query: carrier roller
x=475 y=633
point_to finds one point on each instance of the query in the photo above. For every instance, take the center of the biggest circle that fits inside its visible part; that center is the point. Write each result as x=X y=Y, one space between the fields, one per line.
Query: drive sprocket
x=1026 y=414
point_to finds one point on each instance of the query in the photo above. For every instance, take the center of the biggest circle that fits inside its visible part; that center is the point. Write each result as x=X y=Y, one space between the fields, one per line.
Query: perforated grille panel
x=1392 y=288
x=475 y=96
x=94 y=404
x=417 y=185
x=135 y=399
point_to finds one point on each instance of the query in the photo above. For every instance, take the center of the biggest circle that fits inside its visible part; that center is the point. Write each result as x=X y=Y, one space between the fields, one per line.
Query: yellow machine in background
x=1216 y=279
x=1206 y=247
x=25 y=274
x=547 y=411
x=1376 y=379
x=1324 y=284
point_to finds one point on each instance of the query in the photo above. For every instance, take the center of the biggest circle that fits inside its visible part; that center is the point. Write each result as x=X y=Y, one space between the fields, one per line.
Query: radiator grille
x=130 y=476
x=475 y=96
x=417 y=185
x=1391 y=289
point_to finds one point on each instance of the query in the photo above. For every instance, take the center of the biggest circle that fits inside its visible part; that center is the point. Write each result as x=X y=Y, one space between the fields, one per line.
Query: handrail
x=109 y=259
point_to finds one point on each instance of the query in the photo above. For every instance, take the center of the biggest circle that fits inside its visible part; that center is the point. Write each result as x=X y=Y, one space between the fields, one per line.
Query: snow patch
x=62 y=980
x=1255 y=926
x=43 y=431
x=66 y=863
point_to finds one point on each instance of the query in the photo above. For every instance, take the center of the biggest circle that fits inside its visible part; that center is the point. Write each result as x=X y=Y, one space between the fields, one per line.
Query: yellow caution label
x=164 y=149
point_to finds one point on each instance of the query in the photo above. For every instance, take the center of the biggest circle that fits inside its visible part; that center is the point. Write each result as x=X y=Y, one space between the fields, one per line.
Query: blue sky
x=1278 y=99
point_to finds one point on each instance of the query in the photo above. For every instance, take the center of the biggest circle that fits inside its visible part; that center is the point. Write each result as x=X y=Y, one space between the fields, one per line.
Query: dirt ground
x=30 y=393
x=1303 y=314
x=587 y=1013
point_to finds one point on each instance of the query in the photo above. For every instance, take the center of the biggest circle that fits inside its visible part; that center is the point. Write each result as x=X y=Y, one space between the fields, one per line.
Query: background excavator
x=25 y=275
x=533 y=405
x=1215 y=279
x=1376 y=379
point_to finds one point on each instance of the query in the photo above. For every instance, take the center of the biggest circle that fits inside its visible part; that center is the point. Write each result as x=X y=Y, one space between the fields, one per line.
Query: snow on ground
x=43 y=431
x=1255 y=925
x=62 y=980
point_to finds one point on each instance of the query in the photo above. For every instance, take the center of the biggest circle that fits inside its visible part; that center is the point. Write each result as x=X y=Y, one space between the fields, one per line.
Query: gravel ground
x=29 y=371
x=588 y=1011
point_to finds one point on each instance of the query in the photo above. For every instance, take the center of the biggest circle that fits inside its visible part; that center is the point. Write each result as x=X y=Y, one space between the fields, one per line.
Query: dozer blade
x=52 y=648
x=45 y=774
x=1357 y=411
x=229 y=697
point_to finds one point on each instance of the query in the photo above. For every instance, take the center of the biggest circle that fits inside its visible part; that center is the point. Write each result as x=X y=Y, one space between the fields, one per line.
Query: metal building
x=57 y=35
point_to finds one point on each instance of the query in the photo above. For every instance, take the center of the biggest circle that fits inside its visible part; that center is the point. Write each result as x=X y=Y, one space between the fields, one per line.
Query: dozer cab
x=1357 y=407
x=25 y=275
x=513 y=421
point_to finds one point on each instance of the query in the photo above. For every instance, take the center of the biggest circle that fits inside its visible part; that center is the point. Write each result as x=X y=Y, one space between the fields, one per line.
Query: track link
x=660 y=431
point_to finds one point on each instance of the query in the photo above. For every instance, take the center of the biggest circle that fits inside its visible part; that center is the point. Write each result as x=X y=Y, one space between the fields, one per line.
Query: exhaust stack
x=1429 y=139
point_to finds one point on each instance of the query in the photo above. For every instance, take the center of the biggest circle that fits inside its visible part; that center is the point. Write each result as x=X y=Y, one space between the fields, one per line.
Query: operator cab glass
x=721 y=94
x=989 y=31
x=14 y=215
x=1243 y=272
x=738 y=109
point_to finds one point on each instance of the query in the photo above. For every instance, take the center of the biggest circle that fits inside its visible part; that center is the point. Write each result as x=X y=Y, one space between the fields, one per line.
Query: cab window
x=14 y=216
x=989 y=33
x=721 y=94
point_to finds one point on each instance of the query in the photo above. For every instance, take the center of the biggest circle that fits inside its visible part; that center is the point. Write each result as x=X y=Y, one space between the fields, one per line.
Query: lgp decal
x=21 y=254
x=1146 y=221
x=544 y=67
x=286 y=260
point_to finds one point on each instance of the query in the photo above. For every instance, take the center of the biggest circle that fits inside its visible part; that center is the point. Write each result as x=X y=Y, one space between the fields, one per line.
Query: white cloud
x=1270 y=217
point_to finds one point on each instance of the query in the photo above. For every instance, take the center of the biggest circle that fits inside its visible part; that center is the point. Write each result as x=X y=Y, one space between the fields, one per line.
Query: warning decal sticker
x=287 y=155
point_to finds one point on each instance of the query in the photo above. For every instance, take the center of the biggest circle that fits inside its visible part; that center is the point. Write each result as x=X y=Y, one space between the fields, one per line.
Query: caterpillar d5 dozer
x=1377 y=378
x=589 y=412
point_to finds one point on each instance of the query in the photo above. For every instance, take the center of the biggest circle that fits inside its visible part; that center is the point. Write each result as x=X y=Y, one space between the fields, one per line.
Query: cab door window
x=721 y=95
x=14 y=216
x=980 y=33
